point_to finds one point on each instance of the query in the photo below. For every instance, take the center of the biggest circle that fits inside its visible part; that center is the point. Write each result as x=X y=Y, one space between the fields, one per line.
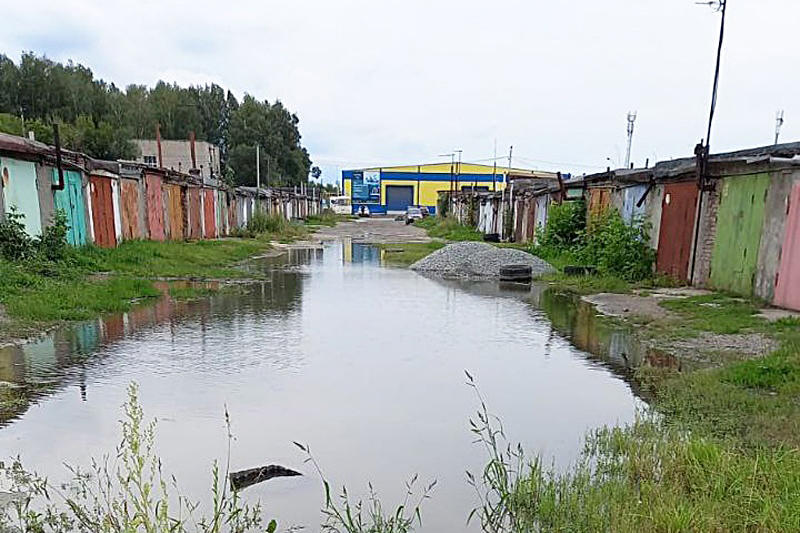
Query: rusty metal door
x=175 y=212
x=678 y=210
x=787 y=285
x=209 y=214
x=195 y=226
x=102 y=212
x=130 y=210
x=155 y=207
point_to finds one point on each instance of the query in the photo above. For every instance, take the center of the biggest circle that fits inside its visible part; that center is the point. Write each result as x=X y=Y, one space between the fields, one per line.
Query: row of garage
x=739 y=231
x=106 y=202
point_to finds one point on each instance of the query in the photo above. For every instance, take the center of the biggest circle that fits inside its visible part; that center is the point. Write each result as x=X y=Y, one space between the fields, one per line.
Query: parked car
x=363 y=211
x=412 y=214
x=425 y=211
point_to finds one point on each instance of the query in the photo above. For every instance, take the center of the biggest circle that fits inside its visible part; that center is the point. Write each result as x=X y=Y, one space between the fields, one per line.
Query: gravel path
x=477 y=260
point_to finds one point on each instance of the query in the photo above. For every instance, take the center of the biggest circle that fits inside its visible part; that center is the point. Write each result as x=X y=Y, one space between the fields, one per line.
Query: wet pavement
x=362 y=362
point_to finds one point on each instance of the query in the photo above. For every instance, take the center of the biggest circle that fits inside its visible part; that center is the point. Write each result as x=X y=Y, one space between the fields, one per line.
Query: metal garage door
x=398 y=197
x=677 y=229
x=787 y=287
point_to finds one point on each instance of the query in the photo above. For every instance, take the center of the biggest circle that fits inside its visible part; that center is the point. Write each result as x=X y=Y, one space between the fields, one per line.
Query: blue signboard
x=366 y=187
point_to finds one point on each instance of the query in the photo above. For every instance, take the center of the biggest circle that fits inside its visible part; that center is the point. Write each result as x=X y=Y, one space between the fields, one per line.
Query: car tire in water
x=518 y=273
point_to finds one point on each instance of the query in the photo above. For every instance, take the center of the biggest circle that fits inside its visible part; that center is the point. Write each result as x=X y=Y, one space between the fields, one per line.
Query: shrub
x=263 y=223
x=566 y=225
x=53 y=243
x=615 y=247
x=618 y=248
x=15 y=244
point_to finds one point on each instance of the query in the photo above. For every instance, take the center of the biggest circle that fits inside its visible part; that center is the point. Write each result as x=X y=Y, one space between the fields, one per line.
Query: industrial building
x=392 y=189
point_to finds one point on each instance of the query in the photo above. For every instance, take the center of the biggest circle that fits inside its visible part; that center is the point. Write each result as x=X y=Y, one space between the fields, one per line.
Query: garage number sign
x=367 y=186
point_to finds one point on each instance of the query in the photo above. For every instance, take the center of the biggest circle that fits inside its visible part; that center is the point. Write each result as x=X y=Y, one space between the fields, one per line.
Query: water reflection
x=364 y=363
x=361 y=253
x=609 y=343
x=60 y=358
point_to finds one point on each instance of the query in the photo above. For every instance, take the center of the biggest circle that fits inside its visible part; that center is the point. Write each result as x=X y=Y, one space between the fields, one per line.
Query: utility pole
x=631 y=122
x=494 y=170
x=258 y=178
x=721 y=6
x=703 y=152
x=458 y=170
x=778 y=125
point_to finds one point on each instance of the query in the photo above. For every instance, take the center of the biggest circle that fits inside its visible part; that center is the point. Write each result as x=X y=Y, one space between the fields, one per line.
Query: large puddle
x=364 y=363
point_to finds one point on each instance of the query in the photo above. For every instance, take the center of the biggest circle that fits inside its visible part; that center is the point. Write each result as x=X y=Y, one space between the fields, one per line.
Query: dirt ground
x=706 y=348
x=376 y=230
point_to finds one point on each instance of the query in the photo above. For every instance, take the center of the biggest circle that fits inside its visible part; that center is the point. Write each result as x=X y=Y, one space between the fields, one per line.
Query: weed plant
x=124 y=493
x=357 y=516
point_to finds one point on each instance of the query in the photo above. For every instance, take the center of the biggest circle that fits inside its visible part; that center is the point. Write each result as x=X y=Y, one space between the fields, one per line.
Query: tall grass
x=125 y=492
x=346 y=515
x=650 y=477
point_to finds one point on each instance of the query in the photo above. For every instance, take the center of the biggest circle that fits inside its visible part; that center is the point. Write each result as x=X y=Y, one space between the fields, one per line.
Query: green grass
x=199 y=259
x=406 y=254
x=716 y=312
x=449 y=229
x=328 y=218
x=192 y=293
x=38 y=293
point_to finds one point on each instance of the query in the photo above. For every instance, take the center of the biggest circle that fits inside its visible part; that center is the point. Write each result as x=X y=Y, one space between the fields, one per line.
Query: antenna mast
x=778 y=125
x=631 y=121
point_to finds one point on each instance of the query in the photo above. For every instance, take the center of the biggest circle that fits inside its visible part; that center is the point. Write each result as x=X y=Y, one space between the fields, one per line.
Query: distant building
x=393 y=189
x=177 y=155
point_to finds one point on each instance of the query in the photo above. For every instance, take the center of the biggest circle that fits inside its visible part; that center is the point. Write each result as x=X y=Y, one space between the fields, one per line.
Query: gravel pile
x=477 y=260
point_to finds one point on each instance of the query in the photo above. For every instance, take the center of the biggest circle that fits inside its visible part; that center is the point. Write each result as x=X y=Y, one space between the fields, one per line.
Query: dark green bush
x=53 y=244
x=607 y=242
x=616 y=247
x=15 y=243
x=566 y=226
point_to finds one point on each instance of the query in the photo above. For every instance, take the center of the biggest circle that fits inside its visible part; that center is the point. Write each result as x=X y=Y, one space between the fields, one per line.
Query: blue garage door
x=398 y=198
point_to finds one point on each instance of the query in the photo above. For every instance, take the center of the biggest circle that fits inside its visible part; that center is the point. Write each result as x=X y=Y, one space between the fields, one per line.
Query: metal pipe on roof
x=57 y=140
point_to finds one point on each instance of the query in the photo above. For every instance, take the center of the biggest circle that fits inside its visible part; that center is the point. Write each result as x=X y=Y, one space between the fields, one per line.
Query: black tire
x=516 y=270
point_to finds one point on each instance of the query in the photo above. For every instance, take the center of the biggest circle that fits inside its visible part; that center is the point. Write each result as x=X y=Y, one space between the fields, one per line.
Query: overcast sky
x=378 y=83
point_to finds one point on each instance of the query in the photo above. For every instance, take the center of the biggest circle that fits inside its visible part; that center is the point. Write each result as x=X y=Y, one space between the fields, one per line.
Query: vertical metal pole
x=258 y=178
x=705 y=151
x=158 y=145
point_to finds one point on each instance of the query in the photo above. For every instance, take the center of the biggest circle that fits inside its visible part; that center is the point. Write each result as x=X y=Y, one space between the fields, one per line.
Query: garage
x=399 y=197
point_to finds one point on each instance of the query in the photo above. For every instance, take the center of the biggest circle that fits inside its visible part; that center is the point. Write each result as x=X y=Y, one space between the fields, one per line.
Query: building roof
x=463 y=168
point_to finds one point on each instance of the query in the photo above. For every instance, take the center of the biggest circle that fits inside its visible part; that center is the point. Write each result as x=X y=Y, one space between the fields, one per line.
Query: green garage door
x=398 y=197
x=739 y=221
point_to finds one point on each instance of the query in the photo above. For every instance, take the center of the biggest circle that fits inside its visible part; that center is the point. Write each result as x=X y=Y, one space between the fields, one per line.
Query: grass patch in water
x=192 y=293
x=408 y=253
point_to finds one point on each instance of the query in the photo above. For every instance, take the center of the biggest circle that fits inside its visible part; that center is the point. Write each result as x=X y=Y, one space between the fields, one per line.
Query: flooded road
x=362 y=362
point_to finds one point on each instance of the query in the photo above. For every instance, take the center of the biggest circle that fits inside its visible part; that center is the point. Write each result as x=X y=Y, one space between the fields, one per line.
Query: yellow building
x=393 y=189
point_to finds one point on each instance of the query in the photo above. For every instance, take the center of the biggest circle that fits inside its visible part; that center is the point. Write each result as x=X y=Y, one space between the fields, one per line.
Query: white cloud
x=402 y=81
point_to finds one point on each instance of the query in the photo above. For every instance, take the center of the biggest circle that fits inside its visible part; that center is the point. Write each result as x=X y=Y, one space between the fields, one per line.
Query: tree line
x=100 y=119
